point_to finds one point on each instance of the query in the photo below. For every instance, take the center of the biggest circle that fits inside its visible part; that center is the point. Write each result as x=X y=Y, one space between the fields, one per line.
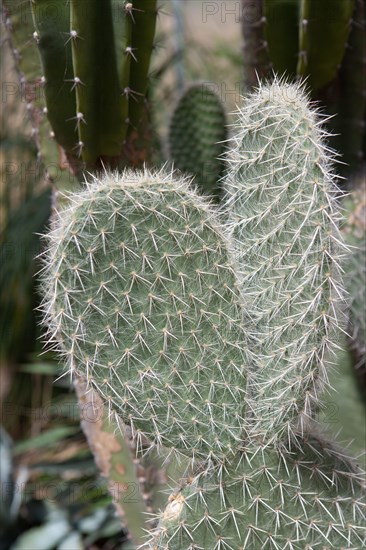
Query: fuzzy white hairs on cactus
x=141 y=299
x=284 y=218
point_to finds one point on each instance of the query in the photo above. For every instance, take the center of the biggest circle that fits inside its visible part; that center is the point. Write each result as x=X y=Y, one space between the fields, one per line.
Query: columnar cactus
x=283 y=218
x=197 y=135
x=94 y=72
x=141 y=298
x=294 y=36
x=323 y=42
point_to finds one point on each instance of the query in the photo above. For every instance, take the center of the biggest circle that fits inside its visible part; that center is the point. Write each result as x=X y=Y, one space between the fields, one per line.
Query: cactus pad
x=311 y=498
x=283 y=217
x=142 y=301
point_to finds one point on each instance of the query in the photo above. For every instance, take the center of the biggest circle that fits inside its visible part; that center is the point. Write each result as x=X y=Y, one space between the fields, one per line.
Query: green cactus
x=323 y=42
x=354 y=231
x=283 y=216
x=322 y=24
x=94 y=67
x=52 y=24
x=281 y=33
x=267 y=497
x=298 y=35
x=22 y=39
x=197 y=135
x=142 y=301
x=212 y=350
x=350 y=108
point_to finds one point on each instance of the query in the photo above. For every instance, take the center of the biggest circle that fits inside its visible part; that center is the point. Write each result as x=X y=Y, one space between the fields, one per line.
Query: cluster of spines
x=284 y=219
x=269 y=498
x=165 y=228
x=142 y=300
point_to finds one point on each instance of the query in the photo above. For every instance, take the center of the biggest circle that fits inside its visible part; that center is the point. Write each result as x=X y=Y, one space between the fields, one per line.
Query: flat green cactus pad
x=310 y=498
x=142 y=301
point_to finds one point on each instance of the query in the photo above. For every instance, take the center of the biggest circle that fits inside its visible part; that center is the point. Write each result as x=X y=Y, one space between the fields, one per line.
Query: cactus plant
x=94 y=95
x=269 y=498
x=317 y=30
x=197 y=135
x=148 y=299
x=283 y=218
x=17 y=18
x=350 y=107
x=141 y=298
x=302 y=48
x=83 y=70
x=323 y=42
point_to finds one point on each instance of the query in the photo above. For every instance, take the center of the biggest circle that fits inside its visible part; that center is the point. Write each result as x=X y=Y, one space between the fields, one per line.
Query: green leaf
x=45 y=439
x=44 y=537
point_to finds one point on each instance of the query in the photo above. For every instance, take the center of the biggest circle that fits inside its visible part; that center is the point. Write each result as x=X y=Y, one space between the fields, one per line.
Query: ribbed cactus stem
x=52 y=25
x=99 y=117
x=142 y=300
x=197 y=135
x=283 y=218
x=321 y=24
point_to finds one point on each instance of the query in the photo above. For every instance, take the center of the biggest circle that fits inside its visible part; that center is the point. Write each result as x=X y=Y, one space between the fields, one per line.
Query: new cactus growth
x=197 y=135
x=143 y=302
x=283 y=218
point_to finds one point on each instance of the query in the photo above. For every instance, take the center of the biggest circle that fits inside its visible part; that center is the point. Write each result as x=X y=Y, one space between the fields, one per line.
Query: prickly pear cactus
x=142 y=301
x=269 y=498
x=283 y=219
x=211 y=342
x=197 y=133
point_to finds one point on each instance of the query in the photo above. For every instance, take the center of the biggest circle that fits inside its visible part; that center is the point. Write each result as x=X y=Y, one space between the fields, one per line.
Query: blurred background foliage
x=52 y=495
